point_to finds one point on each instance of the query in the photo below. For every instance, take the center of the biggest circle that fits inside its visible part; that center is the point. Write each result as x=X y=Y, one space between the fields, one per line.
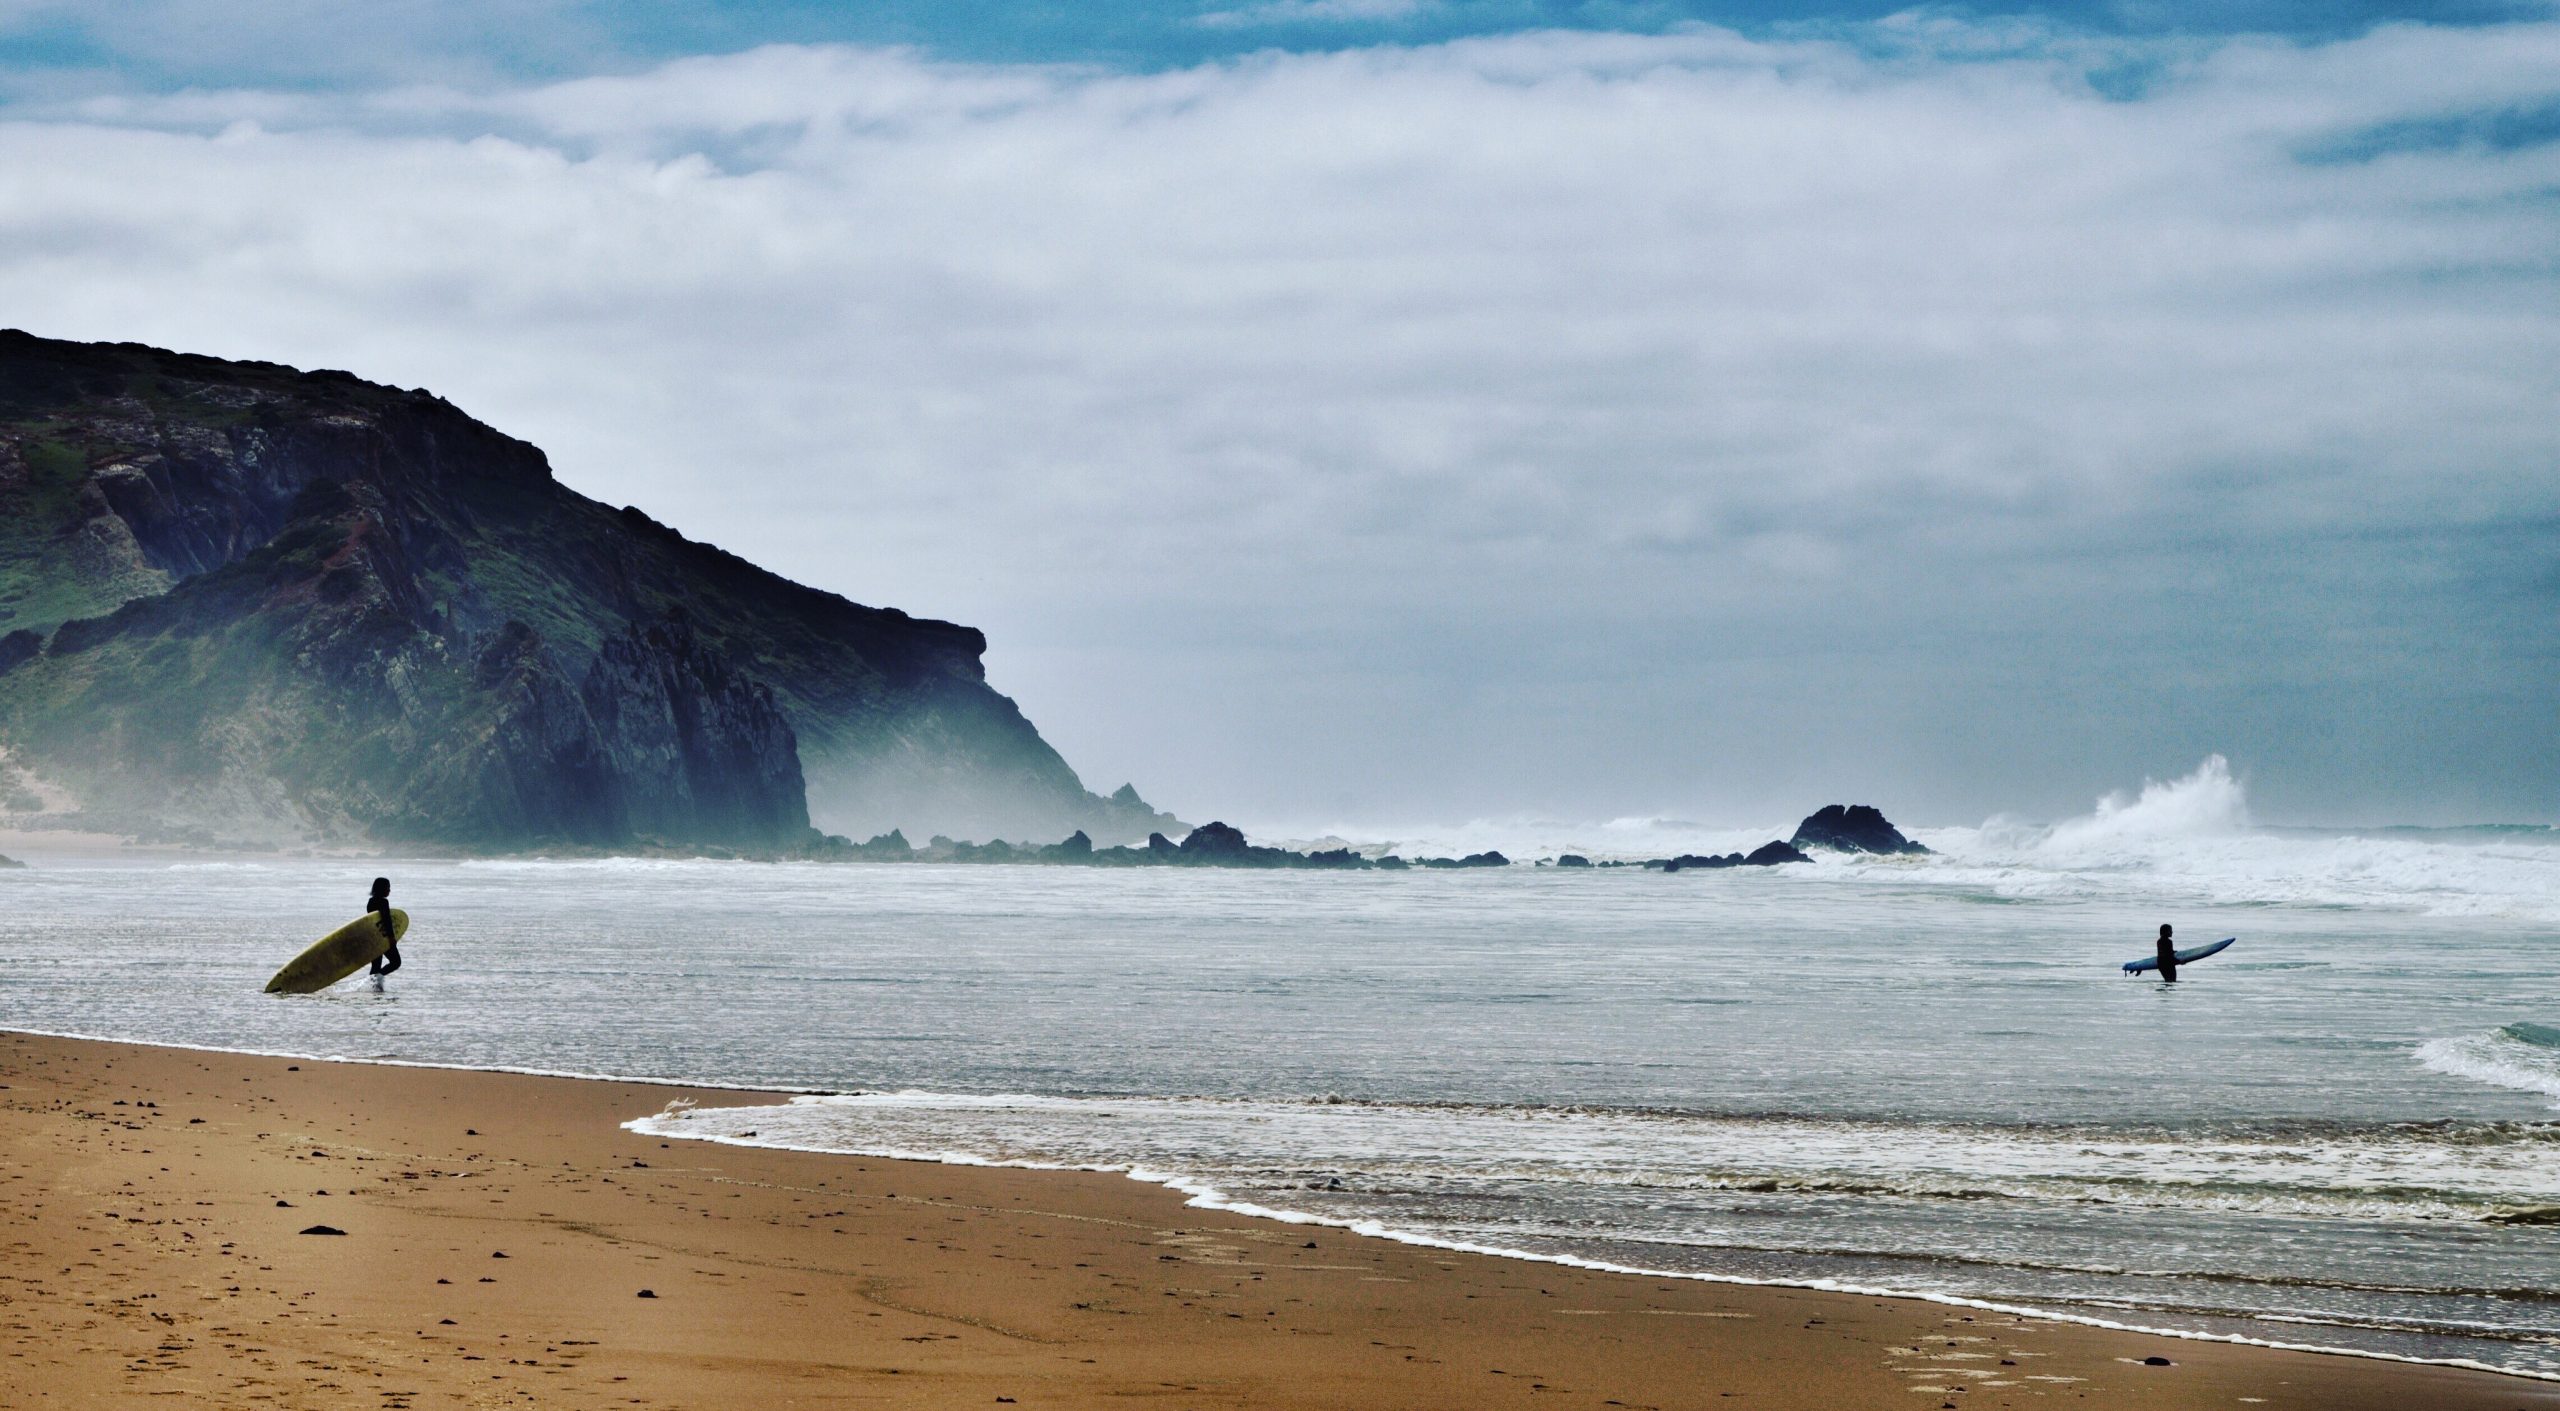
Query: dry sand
x=500 y=1230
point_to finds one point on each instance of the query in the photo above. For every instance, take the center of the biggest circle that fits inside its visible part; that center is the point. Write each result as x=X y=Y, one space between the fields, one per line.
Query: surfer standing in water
x=2168 y=956
x=379 y=907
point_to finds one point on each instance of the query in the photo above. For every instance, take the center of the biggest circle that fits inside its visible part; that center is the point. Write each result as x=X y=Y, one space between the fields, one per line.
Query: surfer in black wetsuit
x=379 y=907
x=2168 y=956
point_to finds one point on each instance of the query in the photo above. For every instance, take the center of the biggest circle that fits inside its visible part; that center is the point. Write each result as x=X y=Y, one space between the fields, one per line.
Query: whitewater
x=1924 y=1075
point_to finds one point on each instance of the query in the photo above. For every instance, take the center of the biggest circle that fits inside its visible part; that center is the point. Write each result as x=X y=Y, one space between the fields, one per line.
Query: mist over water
x=1924 y=1075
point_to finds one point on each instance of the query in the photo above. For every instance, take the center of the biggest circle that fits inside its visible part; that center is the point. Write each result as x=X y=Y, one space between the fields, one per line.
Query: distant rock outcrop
x=1473 y=859
x=1215 y=842
x=1768 y=854
x=1210 y=845
x=1855 y=828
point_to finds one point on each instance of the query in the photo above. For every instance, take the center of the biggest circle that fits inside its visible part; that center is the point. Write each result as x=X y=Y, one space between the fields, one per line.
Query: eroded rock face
x=1856 y=828
x=702 y=749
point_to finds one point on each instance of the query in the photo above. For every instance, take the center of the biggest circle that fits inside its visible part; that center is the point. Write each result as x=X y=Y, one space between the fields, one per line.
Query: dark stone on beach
x=324 y=1230
x=1856 y=828
x=1770 y=854
x=2158 y=1362
x=1392 y=863
x=1076 y=847
x=1573 y=859
x=647 y=1293
x=1162 y=846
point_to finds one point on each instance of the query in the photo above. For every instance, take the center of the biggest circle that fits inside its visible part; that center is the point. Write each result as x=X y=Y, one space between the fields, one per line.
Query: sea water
x=1923 y=1075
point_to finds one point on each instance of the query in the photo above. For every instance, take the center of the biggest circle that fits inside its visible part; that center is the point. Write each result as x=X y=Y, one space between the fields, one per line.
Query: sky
x=1343 y=411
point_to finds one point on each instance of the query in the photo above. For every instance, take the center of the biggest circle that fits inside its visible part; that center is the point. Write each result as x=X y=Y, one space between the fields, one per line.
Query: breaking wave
x=2523 y=1056
x=2387 y=1172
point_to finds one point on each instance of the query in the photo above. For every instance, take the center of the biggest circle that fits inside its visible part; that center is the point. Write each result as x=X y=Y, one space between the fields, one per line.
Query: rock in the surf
x=1857 y=828
x=1768 y=854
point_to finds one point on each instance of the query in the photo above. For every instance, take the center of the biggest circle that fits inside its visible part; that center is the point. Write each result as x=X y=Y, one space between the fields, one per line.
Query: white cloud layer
x=1587 y=422
x=1320 y=12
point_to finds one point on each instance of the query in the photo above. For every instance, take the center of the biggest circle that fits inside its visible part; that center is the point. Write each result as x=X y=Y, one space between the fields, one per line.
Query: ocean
x=1917 y=1075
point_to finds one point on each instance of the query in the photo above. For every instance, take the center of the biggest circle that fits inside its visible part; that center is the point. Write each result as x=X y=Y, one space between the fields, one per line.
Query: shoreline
x=1645 y=1339
x=1199 y=1195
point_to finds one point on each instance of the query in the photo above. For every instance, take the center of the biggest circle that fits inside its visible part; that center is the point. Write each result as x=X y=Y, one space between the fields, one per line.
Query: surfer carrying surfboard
x=2168 y=956
x=378 y=906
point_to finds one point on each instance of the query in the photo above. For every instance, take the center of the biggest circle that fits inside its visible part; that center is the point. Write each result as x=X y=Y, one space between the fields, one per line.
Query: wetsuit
x=389 y=960
x=2168 y=960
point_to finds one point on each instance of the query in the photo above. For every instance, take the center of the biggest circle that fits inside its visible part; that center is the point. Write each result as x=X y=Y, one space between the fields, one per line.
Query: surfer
x=378 y=906
x=2168 y=956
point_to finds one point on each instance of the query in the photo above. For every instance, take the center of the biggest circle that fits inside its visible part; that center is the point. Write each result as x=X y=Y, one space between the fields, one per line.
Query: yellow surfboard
x=337 y=955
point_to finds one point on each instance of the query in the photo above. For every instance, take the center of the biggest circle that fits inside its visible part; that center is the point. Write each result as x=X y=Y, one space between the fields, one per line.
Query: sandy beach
x=507 y=1244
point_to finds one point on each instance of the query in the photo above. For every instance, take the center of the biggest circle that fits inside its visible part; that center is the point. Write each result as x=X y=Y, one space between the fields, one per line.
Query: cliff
x=241 y=602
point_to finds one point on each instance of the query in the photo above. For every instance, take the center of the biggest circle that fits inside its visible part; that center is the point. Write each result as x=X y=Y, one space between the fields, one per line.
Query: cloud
x=1276 y=13
x=1634 y=423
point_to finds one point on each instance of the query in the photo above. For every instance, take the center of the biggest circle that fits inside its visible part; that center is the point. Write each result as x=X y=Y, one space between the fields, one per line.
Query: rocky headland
x=244 y=605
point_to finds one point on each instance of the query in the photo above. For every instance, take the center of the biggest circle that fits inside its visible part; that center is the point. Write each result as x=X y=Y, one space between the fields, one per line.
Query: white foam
x=2380 y=1174
x=2207 y=803
x=2192 y=840
x=2496 y=1059
x=1525 y=838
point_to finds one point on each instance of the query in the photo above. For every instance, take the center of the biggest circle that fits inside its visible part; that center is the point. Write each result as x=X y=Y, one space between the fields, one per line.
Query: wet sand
x=506 y=1244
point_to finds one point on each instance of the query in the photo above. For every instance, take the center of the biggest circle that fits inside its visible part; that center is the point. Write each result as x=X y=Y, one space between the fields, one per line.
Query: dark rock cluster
x=1768 y=854
x=1857 y=828
x=1209 y=845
